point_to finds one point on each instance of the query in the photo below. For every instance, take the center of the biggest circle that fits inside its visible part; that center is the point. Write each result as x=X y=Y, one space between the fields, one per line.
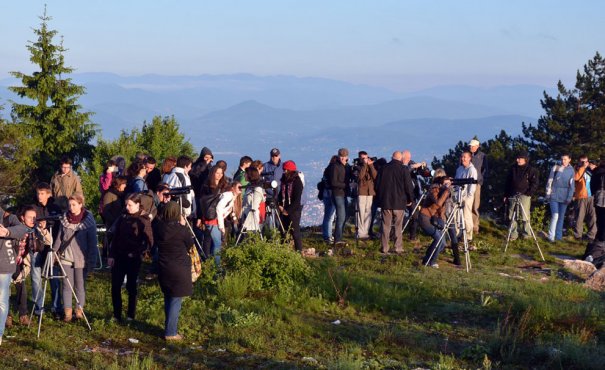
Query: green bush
x=268 y=265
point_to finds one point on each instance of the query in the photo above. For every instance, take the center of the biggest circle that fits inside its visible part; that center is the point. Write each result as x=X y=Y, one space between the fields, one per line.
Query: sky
x=402 y=45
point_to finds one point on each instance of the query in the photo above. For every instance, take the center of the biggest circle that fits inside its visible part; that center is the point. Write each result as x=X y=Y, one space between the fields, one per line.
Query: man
x=45 y=208
x=467 y=170
x=8 y=264
x=413 y=168
x=479 y=160
x=394 y=191
x=200 y=169
x=272 y=170
x=179 y=178
x=339 y=178
x=240 y=174
x=585 y=210
x=597 y=188
x=522 y=183
x=154 y=176
x=365 y=195
x=64 y=184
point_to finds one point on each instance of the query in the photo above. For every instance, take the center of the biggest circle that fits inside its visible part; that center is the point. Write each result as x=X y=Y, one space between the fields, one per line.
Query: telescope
x=179 y=191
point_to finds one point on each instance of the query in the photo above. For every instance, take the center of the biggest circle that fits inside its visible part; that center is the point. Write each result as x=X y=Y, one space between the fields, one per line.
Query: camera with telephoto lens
x=462 y=182
x=180 y=191
x=265 y=185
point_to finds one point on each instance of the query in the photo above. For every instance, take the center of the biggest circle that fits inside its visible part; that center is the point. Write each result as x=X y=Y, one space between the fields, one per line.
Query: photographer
x=201 y=169
x=179 y=178
x=339 y=178
x=290 y=203
x=416 y=170
x=8 y=263
x=584 y=206
x=432 y=218
x=45 y=208
x=521 y=184
x=272 y=171
x=253 y=196
x=365 y=194
x=466 y=170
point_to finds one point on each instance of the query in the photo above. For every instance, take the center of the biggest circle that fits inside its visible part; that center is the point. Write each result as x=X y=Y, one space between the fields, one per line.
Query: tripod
x=457 y=219
x=516 y=205
x=244 y=230
x=272 y=216
x=47 y=274
x=416 y=209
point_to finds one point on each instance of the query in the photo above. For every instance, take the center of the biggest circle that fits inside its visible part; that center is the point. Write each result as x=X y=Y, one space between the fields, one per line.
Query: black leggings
x=292 y=220
x=129 y=267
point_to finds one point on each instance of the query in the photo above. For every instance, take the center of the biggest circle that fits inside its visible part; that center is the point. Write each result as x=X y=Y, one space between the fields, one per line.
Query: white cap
x=474 y=142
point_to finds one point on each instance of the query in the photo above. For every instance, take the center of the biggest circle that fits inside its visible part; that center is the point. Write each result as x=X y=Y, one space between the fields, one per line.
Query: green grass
x=393 y=312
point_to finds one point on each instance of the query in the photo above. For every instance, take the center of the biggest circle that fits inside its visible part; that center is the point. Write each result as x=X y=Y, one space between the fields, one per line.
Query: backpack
x=599 y=195
x=208 y=205
x=321 y=186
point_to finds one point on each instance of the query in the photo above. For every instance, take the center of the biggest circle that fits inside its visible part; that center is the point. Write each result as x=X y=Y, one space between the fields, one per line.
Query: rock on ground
x=596 y=281
x=580 y=266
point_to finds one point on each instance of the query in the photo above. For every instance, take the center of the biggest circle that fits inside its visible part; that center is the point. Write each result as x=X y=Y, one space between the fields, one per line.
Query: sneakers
x=434 y=265
x=174 y=338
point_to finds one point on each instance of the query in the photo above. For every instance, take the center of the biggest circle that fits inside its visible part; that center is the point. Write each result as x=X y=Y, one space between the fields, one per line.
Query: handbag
x=196 y=263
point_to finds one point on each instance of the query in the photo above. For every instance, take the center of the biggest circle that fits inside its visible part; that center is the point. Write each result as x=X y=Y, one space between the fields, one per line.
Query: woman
x=289 y=201
x=136 y=178
x=432 y=216
x=105 y=180
x=329 y=208
x=76 y=243
x=167 y=166
x=173 y=241
x=559 y=193
x=210 y=193
x=132 y=237
x=253 y=197
x=229 y=207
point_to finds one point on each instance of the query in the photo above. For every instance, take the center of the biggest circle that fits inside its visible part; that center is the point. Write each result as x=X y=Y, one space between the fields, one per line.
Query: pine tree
x=573 y=120
x=54 y=122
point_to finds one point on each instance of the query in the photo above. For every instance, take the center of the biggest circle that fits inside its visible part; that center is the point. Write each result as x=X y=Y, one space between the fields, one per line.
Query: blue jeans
x=341 y=216
x=5 y=293
x=216 y=236
x=37 y=284
x=557 y=217
x=425 y=223
x=172 y=309
x=329 y=214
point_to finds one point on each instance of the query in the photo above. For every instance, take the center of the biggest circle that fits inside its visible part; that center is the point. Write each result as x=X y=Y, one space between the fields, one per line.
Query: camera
x=180 y=191
x=268 y=173
x=462 y=182
x=265 y=185
x=52 y=217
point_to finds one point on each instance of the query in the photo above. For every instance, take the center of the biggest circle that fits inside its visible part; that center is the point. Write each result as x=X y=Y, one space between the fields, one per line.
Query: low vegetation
x=271 y=308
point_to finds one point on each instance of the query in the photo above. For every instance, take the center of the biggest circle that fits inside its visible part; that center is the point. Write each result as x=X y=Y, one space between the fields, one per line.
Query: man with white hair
x=479 y=160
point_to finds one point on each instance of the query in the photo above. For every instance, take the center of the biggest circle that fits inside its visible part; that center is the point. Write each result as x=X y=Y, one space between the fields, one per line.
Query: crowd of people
x=397 y=189
x=165 y=212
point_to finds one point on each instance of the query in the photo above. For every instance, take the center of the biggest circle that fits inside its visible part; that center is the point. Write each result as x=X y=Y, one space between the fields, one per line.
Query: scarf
x=76 y=219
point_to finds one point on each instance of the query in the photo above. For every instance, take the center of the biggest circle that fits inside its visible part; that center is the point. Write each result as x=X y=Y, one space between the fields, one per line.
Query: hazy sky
x=400 y=44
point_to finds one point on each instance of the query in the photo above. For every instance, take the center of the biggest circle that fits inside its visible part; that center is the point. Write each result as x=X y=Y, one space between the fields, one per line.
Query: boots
x=68 y=315
x=79 y=313
x=456 y=253
x=9 y=321
x=24 y=320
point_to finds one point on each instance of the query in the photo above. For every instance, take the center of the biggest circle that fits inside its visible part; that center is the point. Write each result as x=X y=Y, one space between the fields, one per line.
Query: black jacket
x=522 y=179
x=394 y=189
x=479 y=160
x=173 y=241
x=133 y=235
x=598 y=179
x=339 y=177
x=290 y=194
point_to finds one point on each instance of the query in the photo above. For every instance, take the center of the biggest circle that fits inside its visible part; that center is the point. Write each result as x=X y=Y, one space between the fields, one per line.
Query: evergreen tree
x=54 y=122
x=573 y=121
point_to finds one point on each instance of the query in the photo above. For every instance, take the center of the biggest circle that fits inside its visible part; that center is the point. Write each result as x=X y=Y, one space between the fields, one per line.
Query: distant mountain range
x=307 y=118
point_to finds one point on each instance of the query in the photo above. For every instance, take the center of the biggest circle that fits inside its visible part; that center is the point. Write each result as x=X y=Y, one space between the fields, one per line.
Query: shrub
x=268 y=265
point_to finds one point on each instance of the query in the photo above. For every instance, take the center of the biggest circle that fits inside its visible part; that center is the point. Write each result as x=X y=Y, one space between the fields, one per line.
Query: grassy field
x=354 y=310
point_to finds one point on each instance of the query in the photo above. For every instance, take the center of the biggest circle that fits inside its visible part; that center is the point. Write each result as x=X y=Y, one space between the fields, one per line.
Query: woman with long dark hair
x=174 y=265
x=132 y=237
x=289 y=201
x=214 y=186
x=253 y=197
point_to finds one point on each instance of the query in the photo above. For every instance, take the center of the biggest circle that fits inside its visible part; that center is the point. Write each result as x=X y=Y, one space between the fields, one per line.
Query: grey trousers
x=364 y=216
x=392 y=217
x=524 y=217
x=76 y=278
x=585 y=212
x=476 y=204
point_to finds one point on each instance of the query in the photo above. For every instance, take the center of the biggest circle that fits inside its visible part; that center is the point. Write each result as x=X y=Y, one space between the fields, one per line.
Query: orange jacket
x=580 y=192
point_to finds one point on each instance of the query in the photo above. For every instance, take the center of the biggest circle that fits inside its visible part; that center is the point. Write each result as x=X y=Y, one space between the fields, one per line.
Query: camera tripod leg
x=510 y=227
x=531 y=229
x=416 y=208
x=467 y=254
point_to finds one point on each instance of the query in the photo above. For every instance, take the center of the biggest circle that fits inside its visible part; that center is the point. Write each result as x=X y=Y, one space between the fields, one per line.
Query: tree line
x=48 y=122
